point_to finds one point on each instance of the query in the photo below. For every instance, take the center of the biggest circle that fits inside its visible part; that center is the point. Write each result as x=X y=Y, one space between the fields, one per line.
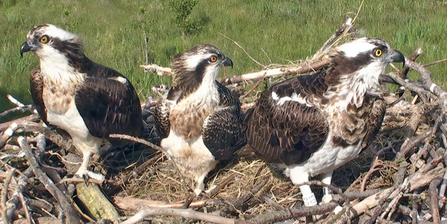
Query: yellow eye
x=45 y=39
x=213 y=59
x=378 y=53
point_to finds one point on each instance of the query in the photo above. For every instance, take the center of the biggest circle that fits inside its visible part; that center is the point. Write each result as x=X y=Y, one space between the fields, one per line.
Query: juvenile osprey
x=200 y=121
x=73 y=93
x=313 y=124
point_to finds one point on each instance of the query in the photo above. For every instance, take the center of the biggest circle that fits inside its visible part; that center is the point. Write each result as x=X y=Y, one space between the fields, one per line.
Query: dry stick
x=328 y=43
x=414 y=209
x=413 y=57
x=221 y=185
x=52 y=136
x=29 y=118
x=428 y=83
x=442 y=189
x=131 y=203
x=185 y=213
x=14 y=199
x=434 y=206
x=23 y=108
x=270 y=73
x=4 y=195
x=243 y=50
x=237 y=205
x=252 y=88
x=8 y=133
x=370 y=172
x=285 y=214
x=70 y=213
x=435 y=62
x=410 y=143
x=25 y=207
x=411 y=85
x=142 y=167
x=154 y=68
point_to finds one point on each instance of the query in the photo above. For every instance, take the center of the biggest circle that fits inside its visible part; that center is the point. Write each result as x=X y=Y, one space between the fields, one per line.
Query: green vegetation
x=286 y=30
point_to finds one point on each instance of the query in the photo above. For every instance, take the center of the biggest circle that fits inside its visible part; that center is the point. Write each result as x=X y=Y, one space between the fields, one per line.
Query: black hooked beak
x=25 y=48
x=228 y=62
x=396 y=56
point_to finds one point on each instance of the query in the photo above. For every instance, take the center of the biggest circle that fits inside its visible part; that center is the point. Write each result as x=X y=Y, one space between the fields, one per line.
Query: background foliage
x=271 y=31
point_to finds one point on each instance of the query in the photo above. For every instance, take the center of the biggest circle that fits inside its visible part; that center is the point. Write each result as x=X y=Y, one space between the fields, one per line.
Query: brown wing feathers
x=286 y=133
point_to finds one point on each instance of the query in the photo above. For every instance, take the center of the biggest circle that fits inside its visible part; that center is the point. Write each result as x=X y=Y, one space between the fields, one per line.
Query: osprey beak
x=396 y=56
x=228 y=62
x=25 y=48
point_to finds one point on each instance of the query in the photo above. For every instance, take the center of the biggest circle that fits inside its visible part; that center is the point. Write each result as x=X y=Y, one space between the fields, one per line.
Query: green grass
x=287 y=30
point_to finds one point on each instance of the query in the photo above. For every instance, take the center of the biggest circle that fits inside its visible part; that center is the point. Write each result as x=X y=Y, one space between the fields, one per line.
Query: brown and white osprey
x=73 y=93
x=313 y=124
x=200 y=121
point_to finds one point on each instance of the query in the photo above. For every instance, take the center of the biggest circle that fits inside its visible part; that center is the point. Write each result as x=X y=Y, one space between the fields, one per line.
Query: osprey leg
x=299 y=176
x=83 y=169
x=327 y=179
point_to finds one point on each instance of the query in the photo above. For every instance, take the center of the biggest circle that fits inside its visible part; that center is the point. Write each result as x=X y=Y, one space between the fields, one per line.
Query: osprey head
x=363 y=60
x=199 y=64
x=51 y=42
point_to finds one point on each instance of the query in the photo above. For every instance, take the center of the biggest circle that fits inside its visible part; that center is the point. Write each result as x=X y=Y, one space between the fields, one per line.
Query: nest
x=397 y=179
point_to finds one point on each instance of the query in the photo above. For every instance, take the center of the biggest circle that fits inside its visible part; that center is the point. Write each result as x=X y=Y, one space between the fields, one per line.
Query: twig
x=270 y=73
x=139 y=140
x=410 y=143
x=25 y=207
x=14 y=199
x=154 y=68
x=239 y=203
x=414 y=209
x=15 y=101
x=80 y=180
x=434 y=206
x=29 y=118
x=69 y=211
x=222 y=184
x=328 y=43
x=23 y=108
x=373 y=169
x=8 y=133
x=243 y=50
x=142 y=167
x=442 y=189
x=28 y=126
x=285 y=214
x=252 y=88
x=4 y=195
x=435 y=62
x=185 y=213
x=413 y=57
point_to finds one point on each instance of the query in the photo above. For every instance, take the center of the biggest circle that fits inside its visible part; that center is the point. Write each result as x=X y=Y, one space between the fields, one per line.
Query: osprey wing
x=289 y=131
x=36 y=83
x=375 y=118
x=162 y=111
x=109 y=105
x=223 y=131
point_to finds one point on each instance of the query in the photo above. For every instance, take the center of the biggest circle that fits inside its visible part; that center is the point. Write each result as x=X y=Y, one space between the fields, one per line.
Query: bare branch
x=185 y=213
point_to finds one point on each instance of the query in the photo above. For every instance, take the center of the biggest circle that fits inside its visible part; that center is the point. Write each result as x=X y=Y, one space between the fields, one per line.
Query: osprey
x=311 y=125
x=200 y=121
x=87 y=100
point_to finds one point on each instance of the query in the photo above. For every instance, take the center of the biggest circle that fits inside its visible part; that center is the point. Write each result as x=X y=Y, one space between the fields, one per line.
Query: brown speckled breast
x=187 y=120
x=57 y=97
